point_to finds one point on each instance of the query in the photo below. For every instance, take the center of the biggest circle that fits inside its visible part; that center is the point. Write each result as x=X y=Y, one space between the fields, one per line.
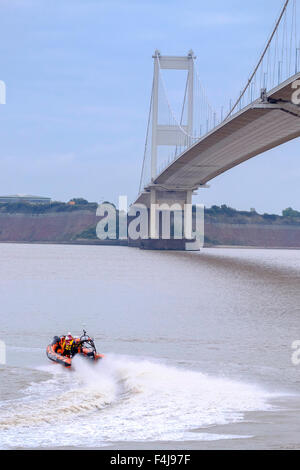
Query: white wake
x=123 y=398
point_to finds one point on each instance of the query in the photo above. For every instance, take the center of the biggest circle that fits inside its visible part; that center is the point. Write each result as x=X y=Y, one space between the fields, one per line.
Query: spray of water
x=122 y=398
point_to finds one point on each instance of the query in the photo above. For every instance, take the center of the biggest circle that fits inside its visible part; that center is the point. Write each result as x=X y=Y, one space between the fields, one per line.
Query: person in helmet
x=66 y=345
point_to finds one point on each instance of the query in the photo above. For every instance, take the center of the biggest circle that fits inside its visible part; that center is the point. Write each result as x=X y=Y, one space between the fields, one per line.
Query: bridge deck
x=255 y=129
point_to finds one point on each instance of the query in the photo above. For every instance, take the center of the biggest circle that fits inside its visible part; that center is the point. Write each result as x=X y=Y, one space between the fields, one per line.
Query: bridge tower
x=163 y=134
x=170 y=135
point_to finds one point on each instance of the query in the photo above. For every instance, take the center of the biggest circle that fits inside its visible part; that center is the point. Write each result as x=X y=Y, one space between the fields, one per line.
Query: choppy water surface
x=195 y=343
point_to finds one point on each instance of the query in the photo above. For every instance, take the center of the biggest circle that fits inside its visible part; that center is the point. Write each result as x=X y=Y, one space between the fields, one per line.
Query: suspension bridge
x=184 y=152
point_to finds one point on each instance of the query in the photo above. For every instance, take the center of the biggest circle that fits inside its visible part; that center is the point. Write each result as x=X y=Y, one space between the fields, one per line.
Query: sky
x=78 y=75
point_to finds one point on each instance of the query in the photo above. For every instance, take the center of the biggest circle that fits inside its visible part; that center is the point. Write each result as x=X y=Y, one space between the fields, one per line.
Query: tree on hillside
x=289 y=212
x=79 y=200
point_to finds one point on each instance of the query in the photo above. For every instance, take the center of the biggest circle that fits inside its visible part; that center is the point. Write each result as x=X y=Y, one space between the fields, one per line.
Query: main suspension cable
x=260 y=60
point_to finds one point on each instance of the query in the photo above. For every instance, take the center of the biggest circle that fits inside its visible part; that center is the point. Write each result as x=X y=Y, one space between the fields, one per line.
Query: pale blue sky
x=78 y=76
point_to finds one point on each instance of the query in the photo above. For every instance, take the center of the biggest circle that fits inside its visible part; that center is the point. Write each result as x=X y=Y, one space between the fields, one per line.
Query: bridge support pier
x=170 y=218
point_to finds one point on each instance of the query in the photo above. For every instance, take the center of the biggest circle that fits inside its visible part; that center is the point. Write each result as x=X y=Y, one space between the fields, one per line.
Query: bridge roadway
x=262 y=125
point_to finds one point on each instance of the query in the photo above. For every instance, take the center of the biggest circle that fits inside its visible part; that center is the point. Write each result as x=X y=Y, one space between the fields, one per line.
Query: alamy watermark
x=2 y=353
x=296 y=353
x=2 y=92
x=296 y=93
x=164 y=221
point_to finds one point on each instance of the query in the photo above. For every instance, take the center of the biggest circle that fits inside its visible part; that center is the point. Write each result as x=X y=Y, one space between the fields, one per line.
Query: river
x=197 y=348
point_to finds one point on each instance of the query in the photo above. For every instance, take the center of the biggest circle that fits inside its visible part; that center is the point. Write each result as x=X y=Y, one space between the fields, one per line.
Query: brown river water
x=198 y=348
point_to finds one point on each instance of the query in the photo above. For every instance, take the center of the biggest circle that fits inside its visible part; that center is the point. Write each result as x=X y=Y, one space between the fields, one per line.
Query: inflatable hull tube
x=67 y=361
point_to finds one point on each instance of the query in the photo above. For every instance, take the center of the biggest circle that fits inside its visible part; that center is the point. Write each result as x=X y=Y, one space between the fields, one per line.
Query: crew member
x=66 y=345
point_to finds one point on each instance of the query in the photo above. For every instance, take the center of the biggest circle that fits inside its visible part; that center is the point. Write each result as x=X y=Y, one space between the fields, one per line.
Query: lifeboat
x=84 y=346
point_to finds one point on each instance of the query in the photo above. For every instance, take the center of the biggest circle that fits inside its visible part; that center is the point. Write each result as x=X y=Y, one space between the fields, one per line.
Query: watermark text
x=2 y=353
x=296 y=353
x=2 y=92
x=164 y=221
x=296 y=93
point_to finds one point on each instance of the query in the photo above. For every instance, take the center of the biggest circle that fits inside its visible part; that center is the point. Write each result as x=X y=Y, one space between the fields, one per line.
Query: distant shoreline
x=76 y=225
x=124 y=243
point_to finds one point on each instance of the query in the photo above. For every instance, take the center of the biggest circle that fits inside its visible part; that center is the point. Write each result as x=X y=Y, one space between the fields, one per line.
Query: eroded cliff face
x=50 y=227
x=260 y=235
x=67 y=226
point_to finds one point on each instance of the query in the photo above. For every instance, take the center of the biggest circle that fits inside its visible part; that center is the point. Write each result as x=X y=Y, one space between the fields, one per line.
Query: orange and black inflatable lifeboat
x=85 y=346
x=59 y=358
